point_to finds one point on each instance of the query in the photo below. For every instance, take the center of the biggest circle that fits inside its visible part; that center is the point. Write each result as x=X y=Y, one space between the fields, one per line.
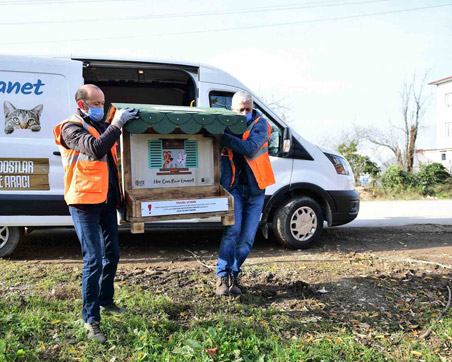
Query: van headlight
x=339 y=163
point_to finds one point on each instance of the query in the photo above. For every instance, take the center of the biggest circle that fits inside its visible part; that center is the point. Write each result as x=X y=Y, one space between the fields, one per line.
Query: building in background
x=443 y=152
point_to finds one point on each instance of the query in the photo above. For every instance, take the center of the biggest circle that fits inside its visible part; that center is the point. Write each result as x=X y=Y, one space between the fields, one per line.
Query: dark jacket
x=76 y=137
x=239 y=147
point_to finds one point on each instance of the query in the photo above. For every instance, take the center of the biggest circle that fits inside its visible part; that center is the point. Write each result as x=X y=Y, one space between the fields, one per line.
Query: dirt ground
x=367 y=280
x=341 y=257
x=426 y=242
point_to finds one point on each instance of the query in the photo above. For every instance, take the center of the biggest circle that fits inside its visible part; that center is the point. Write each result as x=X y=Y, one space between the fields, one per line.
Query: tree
x=360 y=164
x=278 y=106
x=414 y=103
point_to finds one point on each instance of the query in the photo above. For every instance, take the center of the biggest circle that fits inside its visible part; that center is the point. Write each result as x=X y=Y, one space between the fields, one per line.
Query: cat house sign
x=180 y=207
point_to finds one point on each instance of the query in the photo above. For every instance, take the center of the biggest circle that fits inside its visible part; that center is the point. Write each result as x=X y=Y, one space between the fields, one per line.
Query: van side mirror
x=287 y=141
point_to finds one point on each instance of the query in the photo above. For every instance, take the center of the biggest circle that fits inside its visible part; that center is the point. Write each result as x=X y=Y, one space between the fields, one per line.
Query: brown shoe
x=94 y=332
x=112 y=309
x=222 y=285
x=234 y=288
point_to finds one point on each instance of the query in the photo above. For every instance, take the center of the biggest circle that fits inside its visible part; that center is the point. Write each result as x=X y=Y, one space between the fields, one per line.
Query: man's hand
x=124 y=115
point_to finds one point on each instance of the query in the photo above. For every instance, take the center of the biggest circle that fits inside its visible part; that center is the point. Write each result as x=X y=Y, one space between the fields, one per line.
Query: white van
x=313 y=185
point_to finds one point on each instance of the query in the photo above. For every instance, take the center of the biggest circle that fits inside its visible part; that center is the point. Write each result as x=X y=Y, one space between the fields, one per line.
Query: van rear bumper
x=347 y=206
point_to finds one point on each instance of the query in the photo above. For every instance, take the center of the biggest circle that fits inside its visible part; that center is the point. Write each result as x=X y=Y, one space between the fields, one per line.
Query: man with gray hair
x=245 y=171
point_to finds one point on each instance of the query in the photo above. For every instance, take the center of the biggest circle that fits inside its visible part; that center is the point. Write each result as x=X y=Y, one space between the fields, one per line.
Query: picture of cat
x=21 y=118
x=181 y=158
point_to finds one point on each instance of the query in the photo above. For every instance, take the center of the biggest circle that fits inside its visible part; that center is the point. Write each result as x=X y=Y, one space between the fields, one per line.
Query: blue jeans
x=238 y=239
x=97 y=229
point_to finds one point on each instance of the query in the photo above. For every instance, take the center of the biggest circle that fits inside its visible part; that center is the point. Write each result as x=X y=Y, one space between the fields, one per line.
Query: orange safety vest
x=85 y=178
x=259 y=163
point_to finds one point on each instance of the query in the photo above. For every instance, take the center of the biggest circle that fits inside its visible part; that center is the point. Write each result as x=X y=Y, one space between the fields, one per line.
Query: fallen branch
x=400 y=339
x=298 y=261
x=199 y=260
x=427 y=334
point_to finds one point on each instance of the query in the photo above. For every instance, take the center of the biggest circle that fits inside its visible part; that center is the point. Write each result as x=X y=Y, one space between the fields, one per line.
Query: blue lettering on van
x=26 y=88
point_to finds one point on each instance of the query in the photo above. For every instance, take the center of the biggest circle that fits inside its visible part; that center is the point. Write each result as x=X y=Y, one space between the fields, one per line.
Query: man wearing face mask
x=245 y=171
x=93 y=193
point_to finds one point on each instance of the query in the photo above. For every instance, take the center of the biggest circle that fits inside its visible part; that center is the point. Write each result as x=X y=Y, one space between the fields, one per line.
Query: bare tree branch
x=413 y=105
x=278 y=106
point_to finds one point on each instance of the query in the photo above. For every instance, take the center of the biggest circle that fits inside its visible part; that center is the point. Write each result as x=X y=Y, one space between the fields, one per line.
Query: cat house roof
x=165 y=119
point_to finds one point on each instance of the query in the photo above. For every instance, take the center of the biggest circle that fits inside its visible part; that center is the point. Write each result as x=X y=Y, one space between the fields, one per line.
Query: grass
x=177 y=318
x=380 y=193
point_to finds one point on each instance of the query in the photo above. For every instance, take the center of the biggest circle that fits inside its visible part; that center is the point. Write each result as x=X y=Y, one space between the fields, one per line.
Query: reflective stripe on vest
x=85 y=178
x=260 y=162
x=79 y=157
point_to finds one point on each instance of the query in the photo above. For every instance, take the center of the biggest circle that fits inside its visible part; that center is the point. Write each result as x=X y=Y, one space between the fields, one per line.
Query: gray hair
x=82 y=92
x=242 y=97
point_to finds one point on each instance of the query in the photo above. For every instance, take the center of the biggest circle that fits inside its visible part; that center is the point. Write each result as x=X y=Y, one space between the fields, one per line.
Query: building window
x=448 y=129
x=443 y=157
x=448 y=100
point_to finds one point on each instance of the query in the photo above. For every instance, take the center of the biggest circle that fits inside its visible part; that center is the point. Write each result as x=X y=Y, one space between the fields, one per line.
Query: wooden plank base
x=137 y=228
x=228 y=220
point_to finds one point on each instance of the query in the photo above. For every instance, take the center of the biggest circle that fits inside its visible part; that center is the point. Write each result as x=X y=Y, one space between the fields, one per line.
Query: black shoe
x=94 y=332
x=234 y=288
x=222 y=286
x=112 y=309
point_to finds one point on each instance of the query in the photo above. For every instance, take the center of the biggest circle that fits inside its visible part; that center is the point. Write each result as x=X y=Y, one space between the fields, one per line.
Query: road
x=399 y=213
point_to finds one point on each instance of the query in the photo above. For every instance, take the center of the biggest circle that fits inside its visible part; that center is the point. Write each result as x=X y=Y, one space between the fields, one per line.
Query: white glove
x=122 y=116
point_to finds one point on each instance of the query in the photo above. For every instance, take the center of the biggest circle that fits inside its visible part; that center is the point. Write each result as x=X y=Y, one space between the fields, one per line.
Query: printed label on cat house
x=177 y=207
x=171 y=161
x=24 y=174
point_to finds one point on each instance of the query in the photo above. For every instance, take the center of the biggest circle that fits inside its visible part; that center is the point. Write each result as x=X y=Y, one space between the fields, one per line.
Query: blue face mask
x=249 y=116
x=96 y=114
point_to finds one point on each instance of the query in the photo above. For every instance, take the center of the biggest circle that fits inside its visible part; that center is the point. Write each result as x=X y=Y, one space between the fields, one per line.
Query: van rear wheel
x=298 y=223
x=10 y=237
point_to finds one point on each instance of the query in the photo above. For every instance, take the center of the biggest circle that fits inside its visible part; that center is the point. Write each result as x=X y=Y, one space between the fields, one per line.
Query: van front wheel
x=298 y=223
x=9 y=239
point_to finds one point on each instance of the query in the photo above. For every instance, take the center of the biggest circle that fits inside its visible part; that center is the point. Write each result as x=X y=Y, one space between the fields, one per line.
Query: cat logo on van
x=16 y=118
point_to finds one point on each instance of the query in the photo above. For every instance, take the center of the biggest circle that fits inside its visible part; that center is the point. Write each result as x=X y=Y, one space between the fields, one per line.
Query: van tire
x=10 y=236
x=304 y=233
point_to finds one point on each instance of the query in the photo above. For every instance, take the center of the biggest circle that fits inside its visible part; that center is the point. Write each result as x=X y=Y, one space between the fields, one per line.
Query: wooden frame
x=135 y=196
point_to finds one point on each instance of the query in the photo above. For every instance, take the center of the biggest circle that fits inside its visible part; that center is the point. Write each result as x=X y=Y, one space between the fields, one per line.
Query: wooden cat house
x=170 y=163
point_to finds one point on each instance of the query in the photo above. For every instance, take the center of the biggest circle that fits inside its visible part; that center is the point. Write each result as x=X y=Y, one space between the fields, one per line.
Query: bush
x=397 y=179
x=431 y=179
x=433 y=174
x=444 y=190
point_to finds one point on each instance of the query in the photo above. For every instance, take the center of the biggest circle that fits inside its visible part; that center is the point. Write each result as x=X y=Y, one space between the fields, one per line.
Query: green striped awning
x=190 y=120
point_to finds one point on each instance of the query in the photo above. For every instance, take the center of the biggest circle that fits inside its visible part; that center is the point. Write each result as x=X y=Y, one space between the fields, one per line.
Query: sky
x=331 y=63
